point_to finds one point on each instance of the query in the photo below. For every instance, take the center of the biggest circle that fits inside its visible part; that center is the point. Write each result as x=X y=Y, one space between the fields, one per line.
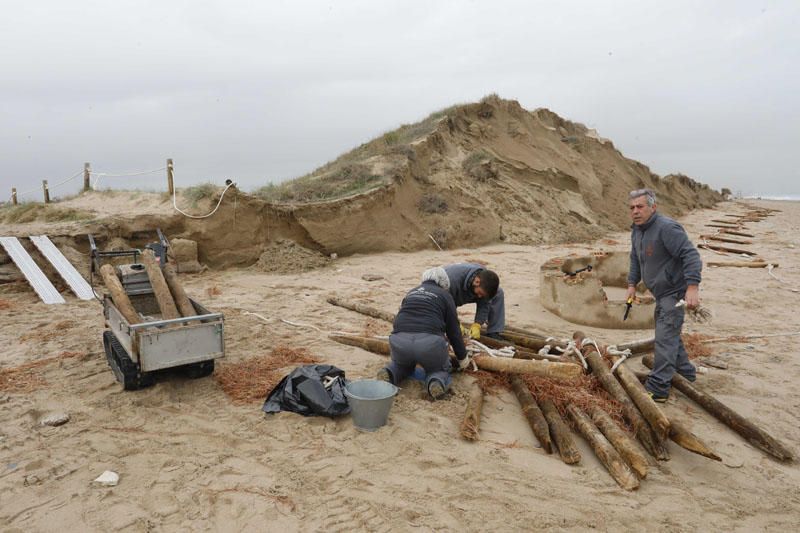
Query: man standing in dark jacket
x=426 y=315
x=663 y=257
x=470 y=282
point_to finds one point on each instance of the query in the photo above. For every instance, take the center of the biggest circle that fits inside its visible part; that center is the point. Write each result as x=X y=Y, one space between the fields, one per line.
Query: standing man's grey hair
x=650 y=193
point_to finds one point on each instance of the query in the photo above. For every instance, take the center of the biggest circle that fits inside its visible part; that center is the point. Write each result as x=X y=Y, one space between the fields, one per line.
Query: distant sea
x=789 y=197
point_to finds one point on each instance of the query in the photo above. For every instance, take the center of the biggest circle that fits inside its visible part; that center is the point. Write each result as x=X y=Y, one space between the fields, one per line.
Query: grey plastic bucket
x=370 y=401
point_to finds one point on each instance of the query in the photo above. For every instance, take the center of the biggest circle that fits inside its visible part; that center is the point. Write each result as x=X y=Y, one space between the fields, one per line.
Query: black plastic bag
x=304 y=391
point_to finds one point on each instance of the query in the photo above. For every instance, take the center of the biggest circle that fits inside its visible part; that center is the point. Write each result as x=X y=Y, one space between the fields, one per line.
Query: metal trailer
x=136 y=351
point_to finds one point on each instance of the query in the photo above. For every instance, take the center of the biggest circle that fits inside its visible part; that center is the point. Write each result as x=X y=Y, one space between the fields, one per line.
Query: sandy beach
x=189 y=458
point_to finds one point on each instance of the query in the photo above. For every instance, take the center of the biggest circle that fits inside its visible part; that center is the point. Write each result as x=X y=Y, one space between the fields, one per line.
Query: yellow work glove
x=475 y=331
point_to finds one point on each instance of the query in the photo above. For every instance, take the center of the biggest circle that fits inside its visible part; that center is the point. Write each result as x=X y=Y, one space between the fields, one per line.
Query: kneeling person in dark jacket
x=426 y=315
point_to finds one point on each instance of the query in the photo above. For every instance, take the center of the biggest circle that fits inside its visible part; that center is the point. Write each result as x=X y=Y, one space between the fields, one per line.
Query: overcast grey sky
x=263 y=91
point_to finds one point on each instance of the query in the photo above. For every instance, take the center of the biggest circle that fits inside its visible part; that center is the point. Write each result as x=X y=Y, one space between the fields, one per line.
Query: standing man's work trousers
x=670 y=354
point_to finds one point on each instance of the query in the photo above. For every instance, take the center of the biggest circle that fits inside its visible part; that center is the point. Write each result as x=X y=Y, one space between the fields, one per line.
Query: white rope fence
x=99 y=175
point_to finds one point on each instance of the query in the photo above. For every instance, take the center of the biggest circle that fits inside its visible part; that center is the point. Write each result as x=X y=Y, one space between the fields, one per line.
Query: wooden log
x=118 y=295
x=559 y=430
x=361 y=308
x=723 y=221
x=628 y=449
x=176 y=289
x=721 y=248
x=650 y=411
x=520 y=352
x=640 y=346
x=547 y=369
x=470 y=426
x=529 y=342
x=689 y=441
x=744 y=427
x=533 y=414
x=378 y=346
x=649 y=440
x=613 y=462
x=725 y=226
x=741 y=264
x=160 y=288
x=725 y=239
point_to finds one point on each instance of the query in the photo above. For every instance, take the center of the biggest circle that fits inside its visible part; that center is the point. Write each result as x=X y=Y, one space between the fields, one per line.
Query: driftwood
x=532 y=413
x=160 y=288
x=754 y=434
x=631 y=413
x=650 y=411
x=546 y=369
x=741 y=264
x=471 y=424
x=361 y=308
x=721 y=248
x=559 y=430
x=181 y=300
x=725 y=239
x=624 y=444
x=723 y=221
x=612 y=460
x=689 y=441
x=118 y=294
x=725 y=226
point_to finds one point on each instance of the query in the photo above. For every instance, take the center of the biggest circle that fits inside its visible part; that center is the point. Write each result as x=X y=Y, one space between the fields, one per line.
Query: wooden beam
x=118 y=294
x=533 y=414
x=559 y=430
x=160 y=288
x=470 y=426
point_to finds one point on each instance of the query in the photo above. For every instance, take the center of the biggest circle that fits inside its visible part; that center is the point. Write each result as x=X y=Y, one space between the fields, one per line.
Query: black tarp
x=304 y=391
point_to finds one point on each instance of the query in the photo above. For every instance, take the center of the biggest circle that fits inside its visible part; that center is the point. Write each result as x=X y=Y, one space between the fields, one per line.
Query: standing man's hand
x=631 y=294
x=692 y=296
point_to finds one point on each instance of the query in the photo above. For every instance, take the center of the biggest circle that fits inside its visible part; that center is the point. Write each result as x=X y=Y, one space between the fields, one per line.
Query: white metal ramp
x=65 y=269
x=31 y=271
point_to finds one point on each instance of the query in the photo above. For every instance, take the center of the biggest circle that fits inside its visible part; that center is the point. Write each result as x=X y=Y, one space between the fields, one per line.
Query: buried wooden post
x=747 y=429
x=628 y=448
x=533 y=414
x=170 y=177
x=470 y=426
x=650 y=411
x=741 y=264
x=689 y=441
x=176 y=289
x=605 y=452
x=644 y=433
x=13 y=196
x=118 y=294
x=87 y=172
x=160 y=288
x=562 y=436
x=46 y=192
x=721 y=238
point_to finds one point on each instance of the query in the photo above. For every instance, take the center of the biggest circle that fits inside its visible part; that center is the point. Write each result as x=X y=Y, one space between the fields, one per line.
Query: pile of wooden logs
x=625 y=457
x=167 y=290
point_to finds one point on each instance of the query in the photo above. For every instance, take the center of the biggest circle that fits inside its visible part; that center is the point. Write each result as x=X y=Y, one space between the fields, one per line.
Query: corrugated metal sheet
x=31 y=271
x=73 y=278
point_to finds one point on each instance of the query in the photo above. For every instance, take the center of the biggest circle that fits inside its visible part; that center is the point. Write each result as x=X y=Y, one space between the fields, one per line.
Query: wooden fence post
x=46 y=192
x=170 y=185
x=13 y=195
x=87 y=172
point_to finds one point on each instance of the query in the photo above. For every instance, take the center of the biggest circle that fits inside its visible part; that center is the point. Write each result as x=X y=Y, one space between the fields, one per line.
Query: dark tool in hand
x=587 y=268
x=628 y=305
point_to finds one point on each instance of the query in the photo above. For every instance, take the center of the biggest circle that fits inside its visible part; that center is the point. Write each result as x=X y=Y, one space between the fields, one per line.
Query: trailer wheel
x=200 y=370
x=125 y=370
